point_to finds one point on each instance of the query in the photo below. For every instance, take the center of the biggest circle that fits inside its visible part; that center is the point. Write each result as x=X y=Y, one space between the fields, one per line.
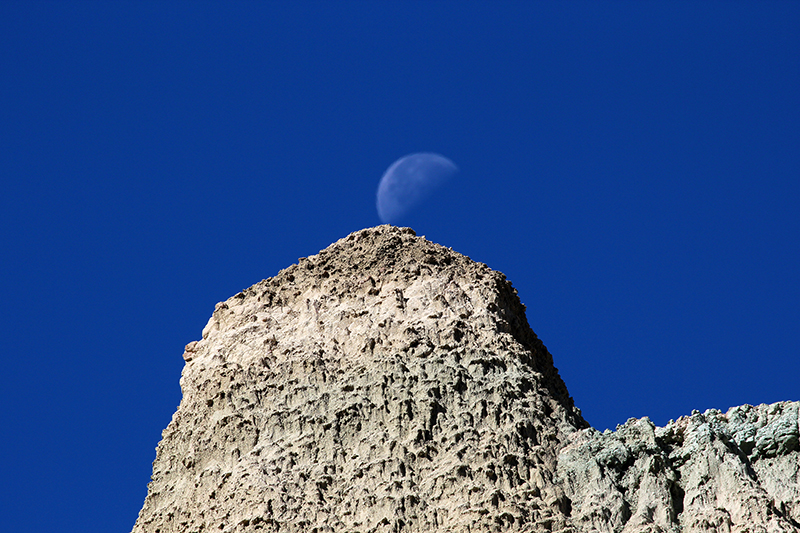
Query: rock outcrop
x=737 y=471
x=391 y=384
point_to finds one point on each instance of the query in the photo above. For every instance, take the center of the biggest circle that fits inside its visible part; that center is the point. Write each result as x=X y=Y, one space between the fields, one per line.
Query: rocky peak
x=385 y=383
x=391 y=384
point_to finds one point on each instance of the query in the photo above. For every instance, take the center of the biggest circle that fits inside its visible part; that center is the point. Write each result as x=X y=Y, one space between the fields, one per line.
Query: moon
x=409 y=181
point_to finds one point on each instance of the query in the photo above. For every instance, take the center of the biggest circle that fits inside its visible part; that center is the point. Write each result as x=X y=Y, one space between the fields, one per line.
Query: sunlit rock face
x=391 y=384
x=713 y=471
x=386 y=383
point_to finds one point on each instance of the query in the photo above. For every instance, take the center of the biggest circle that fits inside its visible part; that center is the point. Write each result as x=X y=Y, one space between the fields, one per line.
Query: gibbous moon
x=409 y=181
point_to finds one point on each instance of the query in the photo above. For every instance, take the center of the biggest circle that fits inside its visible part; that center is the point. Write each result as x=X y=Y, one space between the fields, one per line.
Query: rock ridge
x=713 y=471
x=388 y=383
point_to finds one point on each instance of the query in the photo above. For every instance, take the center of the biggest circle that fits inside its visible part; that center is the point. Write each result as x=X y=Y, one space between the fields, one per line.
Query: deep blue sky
x=632 y=167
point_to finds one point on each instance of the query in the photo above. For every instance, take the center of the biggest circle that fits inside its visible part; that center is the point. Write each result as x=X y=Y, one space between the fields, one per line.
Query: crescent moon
x=409 y=181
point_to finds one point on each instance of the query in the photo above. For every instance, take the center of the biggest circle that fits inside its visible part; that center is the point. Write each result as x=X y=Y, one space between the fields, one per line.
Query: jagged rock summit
x=391 y=384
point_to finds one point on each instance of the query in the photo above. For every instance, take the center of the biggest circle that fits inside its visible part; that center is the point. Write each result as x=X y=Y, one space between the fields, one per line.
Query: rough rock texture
x=391 y=384
x=385 y=384
x=736 y=471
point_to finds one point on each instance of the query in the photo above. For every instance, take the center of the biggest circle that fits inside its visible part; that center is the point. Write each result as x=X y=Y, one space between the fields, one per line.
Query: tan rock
x=385 y=384
x=391 y=384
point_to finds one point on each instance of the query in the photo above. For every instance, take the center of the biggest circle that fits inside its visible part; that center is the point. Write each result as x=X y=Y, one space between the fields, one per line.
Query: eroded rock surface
x=391 y=384
x=712 y=471
x=385 y=384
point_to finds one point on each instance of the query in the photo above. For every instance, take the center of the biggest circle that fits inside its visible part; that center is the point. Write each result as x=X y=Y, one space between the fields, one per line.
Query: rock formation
x=391 y=384
x=738 y=471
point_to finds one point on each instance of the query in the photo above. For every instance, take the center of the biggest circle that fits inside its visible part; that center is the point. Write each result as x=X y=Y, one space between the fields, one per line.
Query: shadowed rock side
x=385 y=384
x=391 y=384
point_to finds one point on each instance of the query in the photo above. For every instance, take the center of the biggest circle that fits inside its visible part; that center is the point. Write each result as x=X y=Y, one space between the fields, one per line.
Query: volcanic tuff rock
x=391 y=384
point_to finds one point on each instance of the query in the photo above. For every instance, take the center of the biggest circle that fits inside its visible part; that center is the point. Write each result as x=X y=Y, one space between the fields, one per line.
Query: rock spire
x=384 y=384
x=391 y=384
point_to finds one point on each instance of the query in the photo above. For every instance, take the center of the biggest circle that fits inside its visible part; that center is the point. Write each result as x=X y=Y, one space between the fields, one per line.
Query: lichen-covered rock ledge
x=713 y=471
x=391 y=384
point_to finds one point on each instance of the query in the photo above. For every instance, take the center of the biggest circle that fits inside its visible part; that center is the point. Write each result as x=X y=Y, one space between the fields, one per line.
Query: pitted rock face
x=391 y=384
x=385 y=384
